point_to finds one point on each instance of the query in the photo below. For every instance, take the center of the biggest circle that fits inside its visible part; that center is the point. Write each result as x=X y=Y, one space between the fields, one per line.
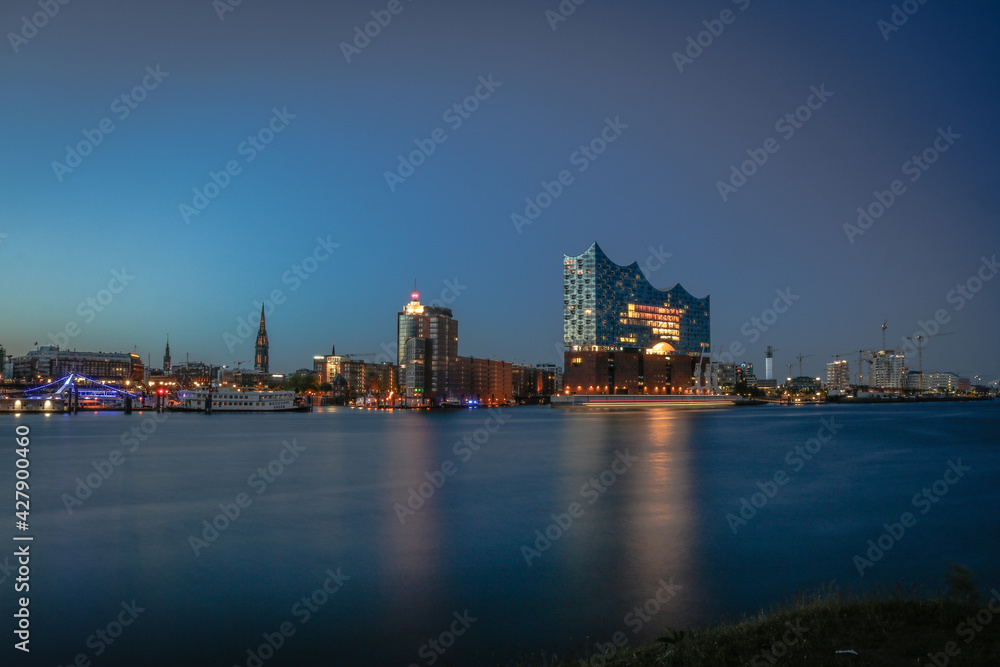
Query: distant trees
x=302 y=383
x=742 y=389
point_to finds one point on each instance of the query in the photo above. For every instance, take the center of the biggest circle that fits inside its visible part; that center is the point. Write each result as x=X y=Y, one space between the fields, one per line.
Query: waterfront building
x=745 y=374
x=726 y=374
x=838 y=375
x=189 y=374
x=933 y=381
x=260 y=363
x=803 y=385
x=49 y=362
x=326 y=367
x=653 y=371
x=551 y=378
x=490 y=381
x=427 y=344
x=608 y=307
x=888 y=369
x=531 y=383
x=357 y=377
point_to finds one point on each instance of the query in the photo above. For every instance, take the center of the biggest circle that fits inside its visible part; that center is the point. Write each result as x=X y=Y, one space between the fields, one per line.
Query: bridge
x=86 y=391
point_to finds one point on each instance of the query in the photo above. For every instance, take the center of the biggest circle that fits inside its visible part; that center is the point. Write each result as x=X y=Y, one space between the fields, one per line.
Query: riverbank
x=830 y=629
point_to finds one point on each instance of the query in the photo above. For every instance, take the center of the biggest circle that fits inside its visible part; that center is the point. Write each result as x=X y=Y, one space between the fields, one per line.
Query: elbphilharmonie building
x=607 y=306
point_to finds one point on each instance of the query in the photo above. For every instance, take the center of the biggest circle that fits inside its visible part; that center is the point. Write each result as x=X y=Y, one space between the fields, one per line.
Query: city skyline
x=265 y=156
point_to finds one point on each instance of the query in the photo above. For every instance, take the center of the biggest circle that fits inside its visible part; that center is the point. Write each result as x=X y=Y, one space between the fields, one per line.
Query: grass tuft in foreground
x=897 y=627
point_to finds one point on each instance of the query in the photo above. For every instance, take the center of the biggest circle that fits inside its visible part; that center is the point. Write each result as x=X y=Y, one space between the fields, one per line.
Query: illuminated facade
x=636 y=372
x=49 y=362
x=427 y=344
x=838 y=375
x=607 y=306
x=888 y=369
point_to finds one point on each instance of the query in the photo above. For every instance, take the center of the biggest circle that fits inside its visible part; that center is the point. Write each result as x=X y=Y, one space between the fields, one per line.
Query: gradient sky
x=654 y=187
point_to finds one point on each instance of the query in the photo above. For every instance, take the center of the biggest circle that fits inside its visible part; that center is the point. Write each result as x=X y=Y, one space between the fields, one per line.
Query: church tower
x=260 y=361
x=166 y=355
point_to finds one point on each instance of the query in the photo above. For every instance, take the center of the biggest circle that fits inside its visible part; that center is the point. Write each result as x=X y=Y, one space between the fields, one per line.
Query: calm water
x=330 y=506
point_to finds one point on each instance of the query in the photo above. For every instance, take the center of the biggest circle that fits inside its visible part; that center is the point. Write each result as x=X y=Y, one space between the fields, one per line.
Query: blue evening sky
x=448 y=224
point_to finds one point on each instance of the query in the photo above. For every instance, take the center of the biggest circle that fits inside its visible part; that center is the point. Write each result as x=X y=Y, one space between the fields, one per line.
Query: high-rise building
x=610 y=307
x=888 y=369
x=745 y=374
x=838 y=375
x=260 y=363
x=427 y=344
x=166 y=355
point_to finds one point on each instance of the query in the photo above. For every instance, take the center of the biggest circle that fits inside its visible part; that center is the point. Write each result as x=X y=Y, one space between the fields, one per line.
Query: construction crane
x=860 y=354
x=800 y=358
x=246 y=361
x=884 y=327
x=920 y=352
x=789 y=367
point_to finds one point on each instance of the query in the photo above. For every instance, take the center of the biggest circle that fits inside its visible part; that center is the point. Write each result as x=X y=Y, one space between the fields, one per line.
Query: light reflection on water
x=663 y=518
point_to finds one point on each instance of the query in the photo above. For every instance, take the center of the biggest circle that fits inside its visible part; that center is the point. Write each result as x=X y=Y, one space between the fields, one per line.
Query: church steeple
x=166 y=355
x=260 y=360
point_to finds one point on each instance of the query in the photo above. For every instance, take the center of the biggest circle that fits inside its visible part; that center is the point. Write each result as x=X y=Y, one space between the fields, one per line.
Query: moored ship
x=237 y=400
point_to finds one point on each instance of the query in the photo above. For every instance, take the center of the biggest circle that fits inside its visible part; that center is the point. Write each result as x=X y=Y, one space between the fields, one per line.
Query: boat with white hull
x=237 y=400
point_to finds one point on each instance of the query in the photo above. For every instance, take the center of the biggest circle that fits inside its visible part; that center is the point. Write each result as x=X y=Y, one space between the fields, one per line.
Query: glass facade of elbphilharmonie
x=612 y=307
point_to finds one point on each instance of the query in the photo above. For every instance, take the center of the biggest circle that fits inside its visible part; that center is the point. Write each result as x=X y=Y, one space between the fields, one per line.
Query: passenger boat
x=238 y=400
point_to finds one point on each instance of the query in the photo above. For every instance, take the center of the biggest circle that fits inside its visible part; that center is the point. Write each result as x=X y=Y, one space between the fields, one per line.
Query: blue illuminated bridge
x=86 y=389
